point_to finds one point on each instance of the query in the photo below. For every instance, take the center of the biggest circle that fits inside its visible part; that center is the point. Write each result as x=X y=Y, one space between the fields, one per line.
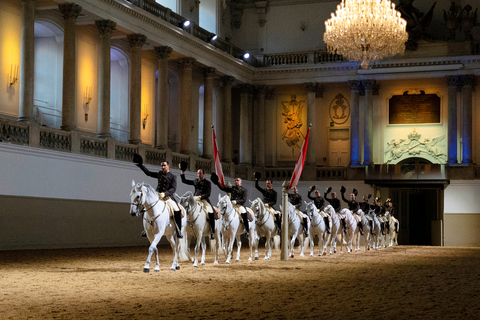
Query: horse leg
x=175 y=244
x=197 y=248
x=239 y=246
x=151 y=250
x=204 y=248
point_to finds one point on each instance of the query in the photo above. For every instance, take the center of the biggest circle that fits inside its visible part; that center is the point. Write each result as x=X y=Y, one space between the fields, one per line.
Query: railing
x=295 y=58
x=23 y=133
x=14 y=132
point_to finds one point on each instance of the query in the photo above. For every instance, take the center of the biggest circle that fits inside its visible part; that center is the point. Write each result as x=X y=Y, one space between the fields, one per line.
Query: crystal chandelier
x=365 y=30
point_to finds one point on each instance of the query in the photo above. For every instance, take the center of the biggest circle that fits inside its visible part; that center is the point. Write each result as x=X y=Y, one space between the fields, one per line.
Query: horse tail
x=183 y=254
x=276 y=242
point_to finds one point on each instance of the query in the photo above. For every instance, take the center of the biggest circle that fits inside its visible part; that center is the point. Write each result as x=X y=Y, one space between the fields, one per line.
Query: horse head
x=224 y=204
x=256 y=206
x=137 y=199
x=187 y=201
x=310 y=209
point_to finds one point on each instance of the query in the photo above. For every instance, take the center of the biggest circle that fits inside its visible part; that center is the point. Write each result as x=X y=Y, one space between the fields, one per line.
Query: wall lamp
x=213 y=37
x=185 y=24
x=14 y=71
x=246 y=55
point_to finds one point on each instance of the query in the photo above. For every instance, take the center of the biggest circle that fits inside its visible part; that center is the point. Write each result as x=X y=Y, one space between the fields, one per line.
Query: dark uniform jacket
x=269 y=195
x=239 y=194
x=352 y=204
x=365 y=206
x=319 y=202
x=203 y=187
x=334 y=202
x=167 y=182
x=295 y=199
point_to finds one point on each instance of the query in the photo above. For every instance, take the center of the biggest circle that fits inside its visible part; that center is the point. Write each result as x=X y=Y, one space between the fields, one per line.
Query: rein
x=267 y=215
x=155 y=217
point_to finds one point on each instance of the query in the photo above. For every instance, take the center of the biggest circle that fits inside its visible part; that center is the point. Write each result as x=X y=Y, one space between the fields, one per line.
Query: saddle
x=249 y=212
x=171 y=209
x=216 y=213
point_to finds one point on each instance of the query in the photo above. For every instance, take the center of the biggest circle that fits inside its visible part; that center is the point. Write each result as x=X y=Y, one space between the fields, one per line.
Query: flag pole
x=284 y=253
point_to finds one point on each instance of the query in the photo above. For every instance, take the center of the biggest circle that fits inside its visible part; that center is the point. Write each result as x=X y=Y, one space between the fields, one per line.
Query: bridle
x=144 y=208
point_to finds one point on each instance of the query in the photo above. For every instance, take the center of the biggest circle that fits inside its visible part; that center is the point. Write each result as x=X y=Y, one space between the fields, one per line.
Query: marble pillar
x=70 y=12
x=355 y=87
x=136 y=42
x=27 y=49
x=105 y=29
x=208 y=75
x=311 y=106
x=453 y=84
x=186 y=117
x=162 y=98
x=467 y=89
x=226 y=153
x=245 y=143
x=260 y=127
x=369 y=85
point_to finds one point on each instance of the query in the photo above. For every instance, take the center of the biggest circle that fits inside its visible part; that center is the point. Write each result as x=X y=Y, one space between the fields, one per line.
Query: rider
x=365 y=207
x=238 y=195
x=353 y=206
x=269 y=199
x=319 y=202
x=167 y=185
x=296 y=200
x=203 y=188
x=379 y=213
x=334 y=201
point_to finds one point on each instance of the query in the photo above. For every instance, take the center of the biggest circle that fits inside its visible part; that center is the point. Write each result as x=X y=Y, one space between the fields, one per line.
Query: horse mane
x=150 y=189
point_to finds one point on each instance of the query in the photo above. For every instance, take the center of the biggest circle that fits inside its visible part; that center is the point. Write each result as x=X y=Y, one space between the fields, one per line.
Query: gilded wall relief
x=292 y=114
x=413 y=146
x=339 y=109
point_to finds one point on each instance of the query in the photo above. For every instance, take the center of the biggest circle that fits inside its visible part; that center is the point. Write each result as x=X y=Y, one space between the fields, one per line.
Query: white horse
x=232 y=228
x=157 y=221
x=198 y=227
x=371 y=229
x=335 y=223
x=317 y=228
x=392 y=230
x=351 y=226
x=265 y=226
x=295 y=230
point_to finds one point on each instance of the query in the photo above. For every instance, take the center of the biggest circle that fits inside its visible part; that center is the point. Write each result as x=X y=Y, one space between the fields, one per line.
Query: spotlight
x=185 y=23
x=213 y=37
x=246 y=55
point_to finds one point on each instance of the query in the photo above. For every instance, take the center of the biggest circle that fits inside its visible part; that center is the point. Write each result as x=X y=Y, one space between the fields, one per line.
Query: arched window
x=48 y=74
x=119 y=122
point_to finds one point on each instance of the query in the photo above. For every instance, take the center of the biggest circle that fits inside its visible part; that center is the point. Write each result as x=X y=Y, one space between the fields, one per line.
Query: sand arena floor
x=398 y=283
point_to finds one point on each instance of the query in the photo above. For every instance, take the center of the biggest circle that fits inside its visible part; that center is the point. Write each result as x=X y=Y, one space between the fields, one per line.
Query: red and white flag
x=218 y=164
x=299 y=165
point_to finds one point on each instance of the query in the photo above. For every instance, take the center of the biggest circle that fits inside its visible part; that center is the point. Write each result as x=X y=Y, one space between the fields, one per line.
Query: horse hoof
x=195 y=266
x=177 y=267
x=172 y=269
x=256 y=258
x=203 y=263
x=156 y=270
x=146 y=270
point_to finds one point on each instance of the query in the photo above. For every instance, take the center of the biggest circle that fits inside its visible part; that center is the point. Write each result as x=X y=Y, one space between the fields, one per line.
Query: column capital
x=187 y=63
x=70 y=11
x=208 y=72
x=136 y=40
x=468 y=80
x=355 y=85
x=105 y=27
x=227 y=80
x=163 y=52
x=369 y=84
x=311 y=86
x=454 y=81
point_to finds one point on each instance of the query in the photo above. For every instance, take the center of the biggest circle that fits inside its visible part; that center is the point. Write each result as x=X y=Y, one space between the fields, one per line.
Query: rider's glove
x=198 y=198
x=234 y=202
x=162 y=195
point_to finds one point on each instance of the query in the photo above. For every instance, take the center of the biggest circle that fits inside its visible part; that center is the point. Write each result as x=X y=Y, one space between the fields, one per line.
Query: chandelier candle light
x=366 y=30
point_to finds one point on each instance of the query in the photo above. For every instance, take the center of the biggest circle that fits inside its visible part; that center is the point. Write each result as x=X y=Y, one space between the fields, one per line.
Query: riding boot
x=360 y=227
x=327 y=224
x=245 y=223
x=143 y=234
x=383 y=228
x=177 y=215
x=211 y=217
x=344 y=226
x=388 y=226
x=371 y=226
x=279 y=223
x=305 y=227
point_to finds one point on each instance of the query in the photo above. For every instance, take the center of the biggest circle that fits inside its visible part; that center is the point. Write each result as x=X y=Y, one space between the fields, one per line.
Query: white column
x=70 y=13
x=25 y=112
x=136 y=42
x=105 y=28
x=208 y=112
x=311 y=106
x=354 y=125
x=453 y=83
x=162 y=101
x=368 y=123
x=468 y=83
x=227 y=82
x=186 y=130
x=245 y=145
